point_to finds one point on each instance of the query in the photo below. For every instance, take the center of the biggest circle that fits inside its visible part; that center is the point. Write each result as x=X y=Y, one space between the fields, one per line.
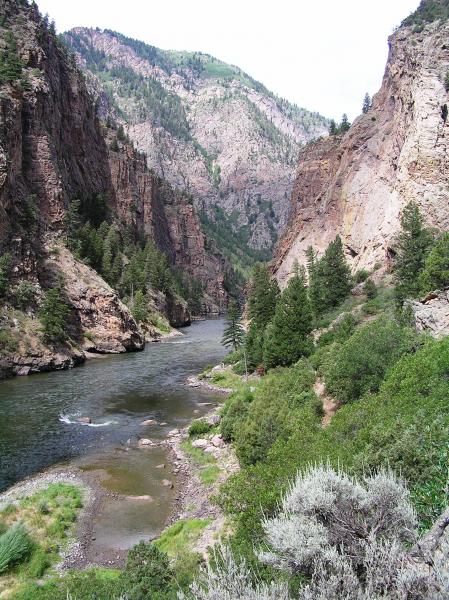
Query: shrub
x=234 y=412
x=53 y=315
x=370 y=289
x=347 y=539
x=199 y=428
x=7 y=342
x=24 y=294
x=361 y=275
x=361 y=363
x=436 y=268
x=147 y=572
x=15 y=546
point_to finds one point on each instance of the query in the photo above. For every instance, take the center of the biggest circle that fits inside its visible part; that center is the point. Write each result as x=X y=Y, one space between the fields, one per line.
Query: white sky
x=322 y=54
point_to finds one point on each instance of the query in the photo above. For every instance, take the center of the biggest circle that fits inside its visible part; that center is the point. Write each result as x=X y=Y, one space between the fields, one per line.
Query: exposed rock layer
x=356 y=185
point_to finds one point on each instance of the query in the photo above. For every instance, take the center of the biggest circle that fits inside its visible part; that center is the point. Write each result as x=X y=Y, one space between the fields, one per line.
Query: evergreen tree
x=335 y=275
x=366 y=103
x=345 y=124
x=140 y=307
x=436 y=269
x=414 y=242
x=10 y=63
x=73 y=224
x=370 y=289
x=53 y=314
x=333 y=130
x=121 y=136
x=316 y=289
x=288 y=336
x=5 y=269
x=263 y=296
x=233 y=335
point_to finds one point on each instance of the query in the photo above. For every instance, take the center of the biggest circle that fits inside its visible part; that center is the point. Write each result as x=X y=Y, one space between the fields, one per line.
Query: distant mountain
x=207 y=128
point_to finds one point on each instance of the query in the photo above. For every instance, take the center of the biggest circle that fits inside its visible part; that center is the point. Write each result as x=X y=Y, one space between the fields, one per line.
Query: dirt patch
x=330 y=405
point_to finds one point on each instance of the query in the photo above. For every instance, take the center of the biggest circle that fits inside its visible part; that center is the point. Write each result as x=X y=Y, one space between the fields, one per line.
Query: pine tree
x=263 y=296
x=53 y=315
x=366 y=103
x=288 y=336
x=333 y=130
x=335 y=275
x=345 y=124
x=233 y=335
x=5 y=269
x=140 y=307
x=414 y=242
x=316 y=289
x=10 y=62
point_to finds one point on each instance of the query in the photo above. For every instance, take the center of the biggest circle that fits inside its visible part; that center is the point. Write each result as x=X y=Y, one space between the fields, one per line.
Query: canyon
x=356 y=184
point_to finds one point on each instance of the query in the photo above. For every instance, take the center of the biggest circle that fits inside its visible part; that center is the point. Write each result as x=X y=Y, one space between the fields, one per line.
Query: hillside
x=81 y=213
x=357 y=184
x=206 y=127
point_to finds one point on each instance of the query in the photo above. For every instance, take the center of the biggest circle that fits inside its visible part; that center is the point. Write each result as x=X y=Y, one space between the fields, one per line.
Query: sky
x=323 y=55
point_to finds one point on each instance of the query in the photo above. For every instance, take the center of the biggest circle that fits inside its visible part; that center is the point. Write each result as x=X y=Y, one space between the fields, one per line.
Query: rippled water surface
x=38 y=425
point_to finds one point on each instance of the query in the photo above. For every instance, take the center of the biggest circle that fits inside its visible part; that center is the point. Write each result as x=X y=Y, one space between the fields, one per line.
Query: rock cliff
x=356 y=185
x=205 y=126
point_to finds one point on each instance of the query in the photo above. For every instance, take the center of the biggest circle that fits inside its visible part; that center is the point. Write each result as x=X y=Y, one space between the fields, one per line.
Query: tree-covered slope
x=206 y=126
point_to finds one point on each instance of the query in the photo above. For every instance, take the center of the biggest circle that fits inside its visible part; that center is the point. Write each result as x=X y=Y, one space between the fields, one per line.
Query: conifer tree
x=333 y=127
x=5 y=269
x=288 y=336
x=414 y=242
x=53 y=315
x=335 y=274
x=345 y=124
x=316 y=290
x=10 y=63
x=140 y=307
x=233 y=335
x=366 y=103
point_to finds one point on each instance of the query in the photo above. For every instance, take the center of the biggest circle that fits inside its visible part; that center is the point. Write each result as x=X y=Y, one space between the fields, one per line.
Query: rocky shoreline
x=192 y=497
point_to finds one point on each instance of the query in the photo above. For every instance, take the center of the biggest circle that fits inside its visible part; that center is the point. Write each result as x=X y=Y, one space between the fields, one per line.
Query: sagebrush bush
x=15 y=546
x=347 y=539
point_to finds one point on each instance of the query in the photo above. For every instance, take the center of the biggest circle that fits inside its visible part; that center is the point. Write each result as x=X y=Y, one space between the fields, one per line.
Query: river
x=38 y=425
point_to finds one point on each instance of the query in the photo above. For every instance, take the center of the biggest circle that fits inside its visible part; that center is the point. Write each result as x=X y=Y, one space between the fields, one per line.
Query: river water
x=38 y=425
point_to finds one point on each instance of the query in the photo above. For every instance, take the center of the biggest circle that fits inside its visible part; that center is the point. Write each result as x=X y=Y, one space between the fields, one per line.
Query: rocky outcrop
x=227 y=140
x=356 y=185
x=431 y=314
x=102 y=322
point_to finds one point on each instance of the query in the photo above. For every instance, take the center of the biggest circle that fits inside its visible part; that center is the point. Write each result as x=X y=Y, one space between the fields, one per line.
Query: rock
x=193 y=382
x=204 y=403
x=145 y=442
x=145 y=498
x=432 y=314
x=200 y=443
x=85 y=420
x=161 y=466
x=217 y=441
x=167 y=483
x=149 y=422
x=163 y=424
x=213 y=420
x=173 y=433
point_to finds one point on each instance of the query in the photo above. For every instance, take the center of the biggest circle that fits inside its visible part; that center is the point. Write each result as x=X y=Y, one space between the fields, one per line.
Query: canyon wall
x=356 y=185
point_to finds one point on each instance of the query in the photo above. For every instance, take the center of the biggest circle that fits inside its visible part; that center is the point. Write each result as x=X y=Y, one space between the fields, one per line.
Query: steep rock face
x=432 y=314
x=357 y=185
x=225 y=139
x=53 y=149
x=102 y=322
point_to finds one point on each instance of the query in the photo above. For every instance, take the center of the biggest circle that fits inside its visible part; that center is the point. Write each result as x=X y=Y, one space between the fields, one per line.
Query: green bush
x=361 y=275
x=7 y=341
x=199 y=428
x=361 y=363
x=15 y=546
x=24 y=294
x=234 y=412
x=370 y=289
x=147 y=572
x=435 y=275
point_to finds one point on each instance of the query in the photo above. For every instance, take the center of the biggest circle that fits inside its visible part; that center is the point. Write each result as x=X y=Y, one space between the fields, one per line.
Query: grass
x=210 y=474
x=48 y=516
x=180 y=536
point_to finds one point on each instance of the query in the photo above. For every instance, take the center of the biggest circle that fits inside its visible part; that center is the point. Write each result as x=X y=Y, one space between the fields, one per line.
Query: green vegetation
x=35 y=530
x=5 y=268
x=435 y=273
x=199 y=427
x=53 y=314
x=11 y=64
x=179 y=537
x=366 y=103
x=428 y=11
x=343 y=127
x=233 y=335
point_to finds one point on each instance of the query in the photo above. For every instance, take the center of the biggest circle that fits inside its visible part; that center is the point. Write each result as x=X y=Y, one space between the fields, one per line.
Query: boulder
x=200 y=443
x=431 y=314
x=149 y=422
x=173 y=433
x=213 y=420
x=167 y=483
x=217 y=441
x=145 y=442
x=85 y=420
